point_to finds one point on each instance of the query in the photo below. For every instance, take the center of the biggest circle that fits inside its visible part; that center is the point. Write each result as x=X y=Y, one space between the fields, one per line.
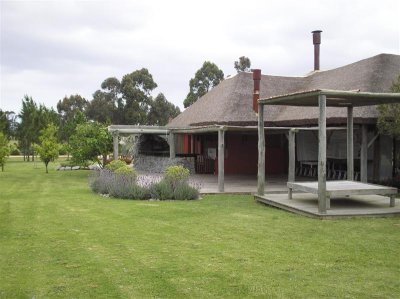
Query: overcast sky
x=50 y=49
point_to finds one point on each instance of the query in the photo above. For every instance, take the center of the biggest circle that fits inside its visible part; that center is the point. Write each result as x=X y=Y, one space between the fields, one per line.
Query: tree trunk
x=104 y=160
x=47 y=171
x=394 y=162
x=2 y=167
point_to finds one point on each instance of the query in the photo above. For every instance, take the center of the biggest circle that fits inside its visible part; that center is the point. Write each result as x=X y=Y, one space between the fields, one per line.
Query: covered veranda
x=221 y=182
x=321 y=191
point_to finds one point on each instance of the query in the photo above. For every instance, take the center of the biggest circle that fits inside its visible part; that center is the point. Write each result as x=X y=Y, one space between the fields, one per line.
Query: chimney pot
x=316 y=42
x=256 y=92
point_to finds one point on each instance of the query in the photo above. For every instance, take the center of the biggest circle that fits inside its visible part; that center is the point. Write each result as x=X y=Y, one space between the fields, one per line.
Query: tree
x=72 y=112
x=389 y=122
x=33 y=118
x=101 y=108
x=69 y=106
x=208 y=76
x=161 y=111
x=48 y=148
x=12 y=123
x=389 y=115
x=4 y=123
x=136 y=88
x=4 y=150
x=243 y=65
x=112 y=88
x=89 y=142
x=107 y=105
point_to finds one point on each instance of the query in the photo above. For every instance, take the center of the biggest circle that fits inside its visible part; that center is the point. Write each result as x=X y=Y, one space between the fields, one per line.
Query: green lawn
x=57 y=239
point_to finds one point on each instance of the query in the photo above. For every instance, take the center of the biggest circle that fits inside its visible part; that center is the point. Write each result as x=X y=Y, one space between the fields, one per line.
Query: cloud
x=54 y=48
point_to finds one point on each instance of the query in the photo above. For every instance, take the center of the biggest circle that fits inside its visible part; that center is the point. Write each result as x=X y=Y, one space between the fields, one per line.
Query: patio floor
x=239 y=184
x=276 y=195
x=341 y=207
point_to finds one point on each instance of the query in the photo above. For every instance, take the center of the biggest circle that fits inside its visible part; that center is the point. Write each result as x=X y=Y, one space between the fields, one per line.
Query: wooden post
x=292 y=158
x=350 y=147
x=171 y=140
x=115 y=144
x=377 y=159
x=221 y=157
x=322 y=198
x=392 y=201
x=261 y=152
x=364 y=155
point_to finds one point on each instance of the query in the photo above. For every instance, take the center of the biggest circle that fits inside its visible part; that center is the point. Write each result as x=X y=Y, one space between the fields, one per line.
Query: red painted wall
x=241 y=154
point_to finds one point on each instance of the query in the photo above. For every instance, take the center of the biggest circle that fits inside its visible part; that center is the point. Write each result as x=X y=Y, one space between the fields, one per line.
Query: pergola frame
x=322 y=99
x=118 y=130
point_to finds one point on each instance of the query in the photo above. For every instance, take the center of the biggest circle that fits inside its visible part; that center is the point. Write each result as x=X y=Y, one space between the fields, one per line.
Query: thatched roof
x=230 y=103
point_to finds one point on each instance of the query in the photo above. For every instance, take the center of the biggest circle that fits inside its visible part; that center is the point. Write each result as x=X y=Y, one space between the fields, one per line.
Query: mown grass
x=57 y=239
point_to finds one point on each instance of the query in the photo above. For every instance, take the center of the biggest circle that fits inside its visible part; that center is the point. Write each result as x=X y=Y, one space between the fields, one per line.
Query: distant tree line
x=128 y=101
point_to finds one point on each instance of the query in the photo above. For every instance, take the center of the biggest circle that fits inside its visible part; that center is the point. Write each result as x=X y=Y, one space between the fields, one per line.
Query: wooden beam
x=322 y=198
x=115 y=144
x=364 y=155
x=336 y=98
x=261 y=152
x=221 y=157
x=350 y=146
x=171 y=139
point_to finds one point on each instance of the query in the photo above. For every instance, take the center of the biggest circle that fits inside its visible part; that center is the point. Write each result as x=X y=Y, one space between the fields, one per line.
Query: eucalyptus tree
x=136 y=88
x=243 y=64
x=161 y=111
x=207 y=77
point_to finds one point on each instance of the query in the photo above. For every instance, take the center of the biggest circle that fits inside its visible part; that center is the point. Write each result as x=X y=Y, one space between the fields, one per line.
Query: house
x=226 y=118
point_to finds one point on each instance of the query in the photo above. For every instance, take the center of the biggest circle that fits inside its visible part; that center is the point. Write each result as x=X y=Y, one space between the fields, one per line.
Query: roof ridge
x=371 y=58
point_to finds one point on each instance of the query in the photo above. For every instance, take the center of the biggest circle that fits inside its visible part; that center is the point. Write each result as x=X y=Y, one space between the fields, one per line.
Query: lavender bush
x=127 y=185
x=99 y=181
x=162 y=190
x=185 y=192
x=122 y=186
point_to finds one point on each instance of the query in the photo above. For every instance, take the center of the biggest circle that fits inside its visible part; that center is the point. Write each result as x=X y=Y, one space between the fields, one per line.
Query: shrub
x=124 y=183
x=176 y=175
x=100 y=181
x=139 y=192
x=63 y=149
x=15 y=152
x=115 y=164
x=67 y=164
x=126 y=171
x=162 y=190
x=121 y=186
x=185 y=192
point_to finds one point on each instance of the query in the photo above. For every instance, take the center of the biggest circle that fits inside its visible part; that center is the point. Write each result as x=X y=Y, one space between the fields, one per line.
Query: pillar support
x=350 y=147
x=221 y=158
x=292 y=158
x=322 y=198
x=364 y=155
x=261 y=152
x=115 y=136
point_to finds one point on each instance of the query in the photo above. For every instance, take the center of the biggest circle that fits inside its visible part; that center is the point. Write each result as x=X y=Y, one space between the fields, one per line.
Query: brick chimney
x=256 y=92
x=316 y=42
